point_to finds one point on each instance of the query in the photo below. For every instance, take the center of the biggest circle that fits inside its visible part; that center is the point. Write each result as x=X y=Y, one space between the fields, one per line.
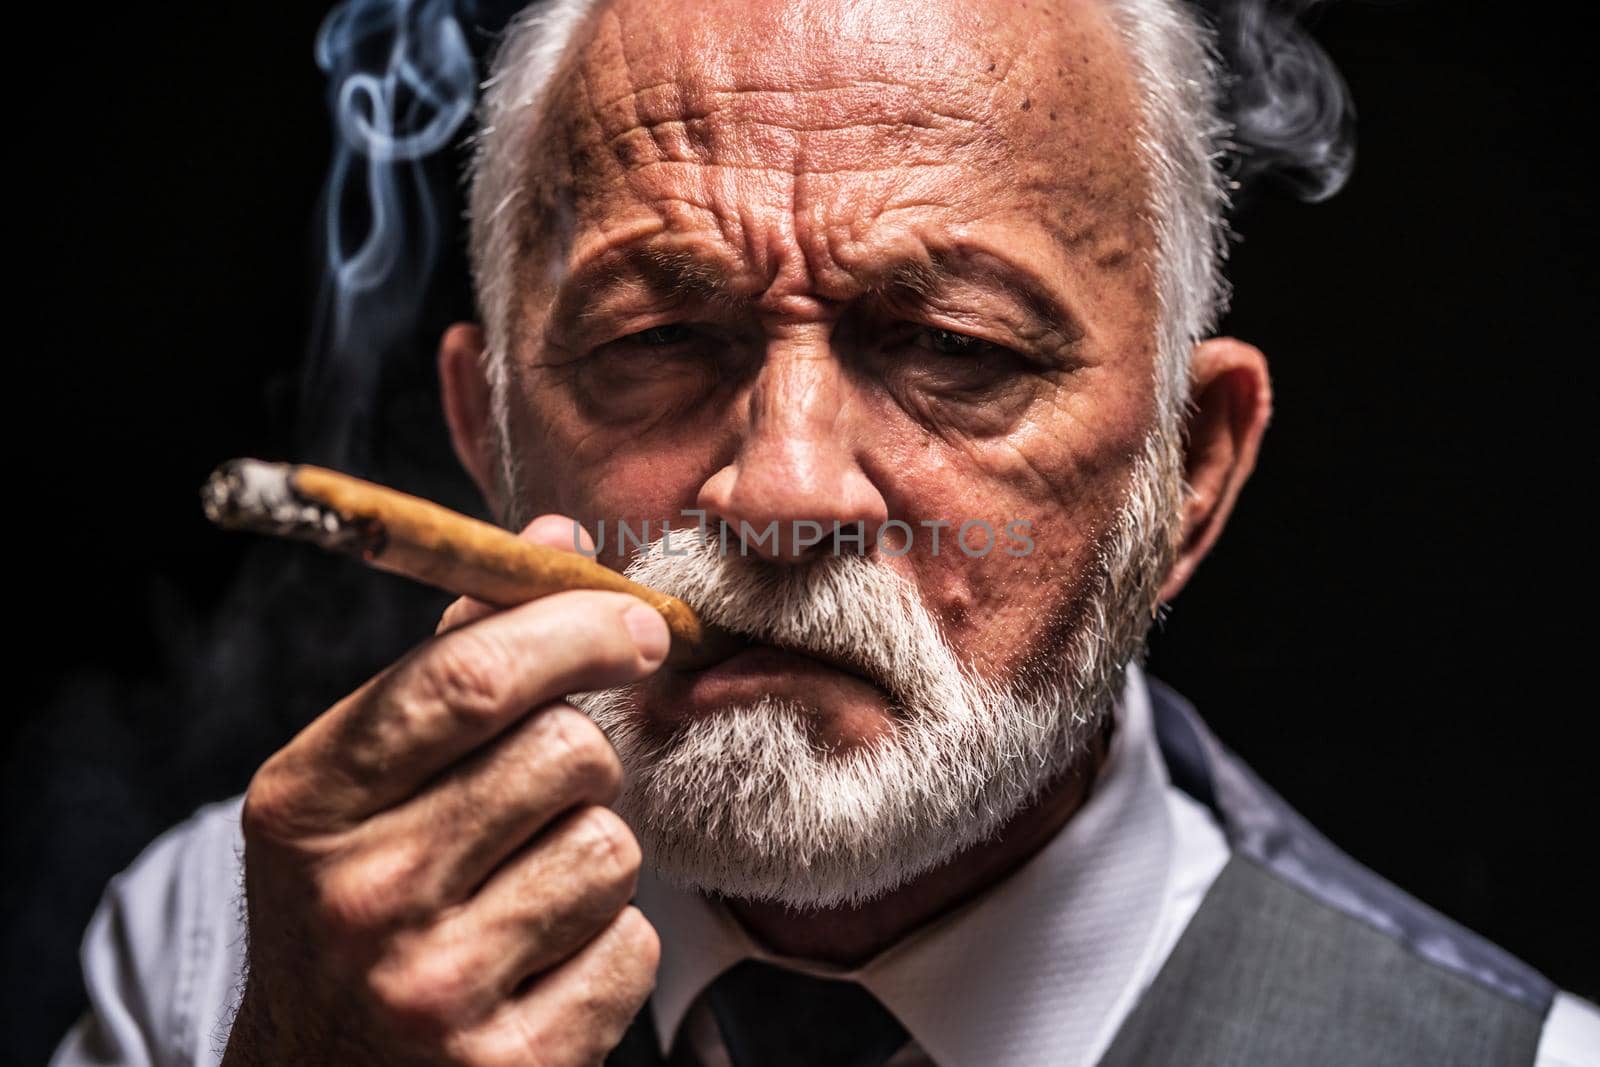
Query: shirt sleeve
x=163 y=954
x=1571 y=1035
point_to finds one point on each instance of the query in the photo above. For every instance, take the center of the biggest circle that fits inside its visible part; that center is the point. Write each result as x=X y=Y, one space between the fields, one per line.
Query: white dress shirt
x=1042 y=968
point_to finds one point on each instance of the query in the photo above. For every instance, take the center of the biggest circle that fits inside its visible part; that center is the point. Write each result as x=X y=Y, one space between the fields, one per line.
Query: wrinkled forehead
x=986 y=106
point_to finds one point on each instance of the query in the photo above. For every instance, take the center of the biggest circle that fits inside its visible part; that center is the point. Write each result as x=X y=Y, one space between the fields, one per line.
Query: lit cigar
x=428 y=543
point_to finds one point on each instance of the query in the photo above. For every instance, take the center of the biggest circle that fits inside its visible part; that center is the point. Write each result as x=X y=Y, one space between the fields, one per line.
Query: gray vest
x=1298 y=955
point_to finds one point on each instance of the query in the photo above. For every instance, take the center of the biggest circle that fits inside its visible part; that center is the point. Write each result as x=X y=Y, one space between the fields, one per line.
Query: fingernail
x=648 y=630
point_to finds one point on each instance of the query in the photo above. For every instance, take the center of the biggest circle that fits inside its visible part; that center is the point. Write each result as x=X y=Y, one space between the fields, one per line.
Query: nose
x=795 y=490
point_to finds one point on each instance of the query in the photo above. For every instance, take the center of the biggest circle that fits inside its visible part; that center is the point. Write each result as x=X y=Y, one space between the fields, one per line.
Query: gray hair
x=1181 y=141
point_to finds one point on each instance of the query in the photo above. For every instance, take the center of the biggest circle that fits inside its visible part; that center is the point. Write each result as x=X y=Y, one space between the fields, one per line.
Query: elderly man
x=935 y=279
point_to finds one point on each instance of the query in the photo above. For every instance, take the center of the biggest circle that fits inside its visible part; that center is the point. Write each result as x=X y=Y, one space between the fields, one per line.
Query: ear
x=1230 y=402
x=464 y=388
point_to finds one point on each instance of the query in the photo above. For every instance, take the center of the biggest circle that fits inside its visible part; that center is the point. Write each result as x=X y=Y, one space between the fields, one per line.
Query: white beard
x=745 y=803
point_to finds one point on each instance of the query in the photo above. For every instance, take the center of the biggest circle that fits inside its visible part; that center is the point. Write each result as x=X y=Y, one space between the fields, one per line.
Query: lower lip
x=766 y=671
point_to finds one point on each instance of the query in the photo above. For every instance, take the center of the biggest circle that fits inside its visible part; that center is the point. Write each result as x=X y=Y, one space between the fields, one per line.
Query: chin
x=815 y=791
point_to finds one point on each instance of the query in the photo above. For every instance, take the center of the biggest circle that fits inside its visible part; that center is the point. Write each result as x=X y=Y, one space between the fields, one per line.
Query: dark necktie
x=772 y=1017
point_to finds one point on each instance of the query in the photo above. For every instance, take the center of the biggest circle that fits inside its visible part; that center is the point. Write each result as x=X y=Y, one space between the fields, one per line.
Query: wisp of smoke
x=1292 y=116
x=401 y=82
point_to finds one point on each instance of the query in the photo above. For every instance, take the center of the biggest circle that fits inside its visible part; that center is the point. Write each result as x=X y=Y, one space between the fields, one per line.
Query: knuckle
x=641 y=941
x=391 y=990
x=372 y=893
x=588 y=762
x=423 y=998
x=465 y=675
x=608 y=851
x=413 y=1002
x=268 y=812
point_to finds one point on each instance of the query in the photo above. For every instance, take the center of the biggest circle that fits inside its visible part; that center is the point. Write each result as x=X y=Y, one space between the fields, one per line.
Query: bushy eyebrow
x=682 y=273
x=666 y=272
x=927 y=278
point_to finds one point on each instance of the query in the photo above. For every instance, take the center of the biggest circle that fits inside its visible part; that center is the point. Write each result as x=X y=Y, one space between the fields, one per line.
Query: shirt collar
x=1035 y=970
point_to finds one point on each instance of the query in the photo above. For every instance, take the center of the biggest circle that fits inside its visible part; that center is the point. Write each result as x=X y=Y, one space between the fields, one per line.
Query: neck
x=848 y=936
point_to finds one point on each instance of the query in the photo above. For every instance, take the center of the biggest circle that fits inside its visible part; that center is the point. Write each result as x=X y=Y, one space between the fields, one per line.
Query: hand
x=431 y=873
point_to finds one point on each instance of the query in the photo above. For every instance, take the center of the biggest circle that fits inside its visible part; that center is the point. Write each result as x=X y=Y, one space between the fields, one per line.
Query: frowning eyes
x=949 y=343
x=896 y=347
x=671 y=368
x=948 y=361
x=672 y=333
x=652 y=373
x=937 y=341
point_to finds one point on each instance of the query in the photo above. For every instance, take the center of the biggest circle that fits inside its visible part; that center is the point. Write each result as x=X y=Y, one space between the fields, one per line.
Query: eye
x=660 y=336
x=956 y=345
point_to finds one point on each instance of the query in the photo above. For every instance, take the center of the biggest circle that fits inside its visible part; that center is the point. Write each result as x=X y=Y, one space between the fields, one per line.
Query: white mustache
x=845 y=608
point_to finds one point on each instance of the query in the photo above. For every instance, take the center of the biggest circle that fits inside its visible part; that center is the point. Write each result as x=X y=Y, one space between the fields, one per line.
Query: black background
x=1394 y=630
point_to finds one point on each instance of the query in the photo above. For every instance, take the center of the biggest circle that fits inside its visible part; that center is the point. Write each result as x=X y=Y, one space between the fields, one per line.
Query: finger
x=540 y=909
x=378 y=745
x=578 y=1012
x=454 y=833
x=551 y=531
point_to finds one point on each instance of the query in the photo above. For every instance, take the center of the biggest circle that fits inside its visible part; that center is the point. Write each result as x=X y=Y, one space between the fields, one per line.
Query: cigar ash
x=253 y=495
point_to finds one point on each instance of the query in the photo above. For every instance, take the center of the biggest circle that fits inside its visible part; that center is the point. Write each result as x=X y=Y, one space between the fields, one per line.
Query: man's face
x=844 y=263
